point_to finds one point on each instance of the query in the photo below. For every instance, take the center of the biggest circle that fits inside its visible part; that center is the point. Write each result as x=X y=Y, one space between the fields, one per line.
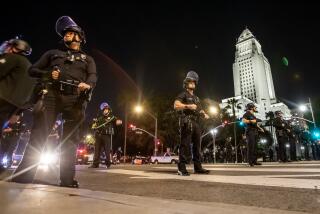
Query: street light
x=139 y=109
x=213 y=131
x=89 y=137
x=213 y=110
x=263 y=141
x=304 y=108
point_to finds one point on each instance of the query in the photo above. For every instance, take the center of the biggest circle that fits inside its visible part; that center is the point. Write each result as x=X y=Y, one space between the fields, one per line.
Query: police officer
x=103 y=127
x=252 y=128
x=190 y=111
x=69 y=74
x=10 y=137
x=15 y=84
x=282 y=135
x=292 y=141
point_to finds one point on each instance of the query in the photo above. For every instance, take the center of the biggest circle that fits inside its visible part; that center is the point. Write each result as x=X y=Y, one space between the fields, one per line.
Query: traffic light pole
x=125 y=136
x=311 y=109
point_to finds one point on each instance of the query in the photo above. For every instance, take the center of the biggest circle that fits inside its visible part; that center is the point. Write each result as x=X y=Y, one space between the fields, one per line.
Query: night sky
x=156 y=44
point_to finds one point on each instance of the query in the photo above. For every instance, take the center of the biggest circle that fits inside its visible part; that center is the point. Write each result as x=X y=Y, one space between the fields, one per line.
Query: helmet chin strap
x=69 y=42
x=191 y=88
x=187 y=87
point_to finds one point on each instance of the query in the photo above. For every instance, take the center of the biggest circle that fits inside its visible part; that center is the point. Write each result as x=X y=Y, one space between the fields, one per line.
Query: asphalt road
x=292 y=187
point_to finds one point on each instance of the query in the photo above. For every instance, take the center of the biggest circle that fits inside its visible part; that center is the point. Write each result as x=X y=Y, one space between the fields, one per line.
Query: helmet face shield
x=19 y=47
x=104 y=105
x=65 y=24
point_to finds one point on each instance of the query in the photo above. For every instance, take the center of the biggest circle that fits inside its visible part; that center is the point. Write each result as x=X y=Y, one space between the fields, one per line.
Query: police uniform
x=282 y=137
x=75 y=67
x=9 y=141
x=251 y=138
x=190 y=134
x=103 y=136
x=292 y=141
x=15 y=84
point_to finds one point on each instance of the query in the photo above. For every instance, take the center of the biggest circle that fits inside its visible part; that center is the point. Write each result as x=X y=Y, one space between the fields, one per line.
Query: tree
x=233 y=104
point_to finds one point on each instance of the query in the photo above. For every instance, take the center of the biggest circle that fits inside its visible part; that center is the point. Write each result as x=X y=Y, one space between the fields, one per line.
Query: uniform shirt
x=74 y=65
x=249 y=116
x=187 y=98
x=108 y=128
x=281 y=125
x=16 y=86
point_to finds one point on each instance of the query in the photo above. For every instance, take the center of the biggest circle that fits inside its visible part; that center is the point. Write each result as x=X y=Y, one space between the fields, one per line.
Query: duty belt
x=66 y=87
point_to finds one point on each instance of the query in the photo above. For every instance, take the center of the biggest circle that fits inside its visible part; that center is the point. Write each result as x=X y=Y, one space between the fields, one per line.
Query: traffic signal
x=225 y=122
x=316 y=134
x=132 y=127
x=241 y=123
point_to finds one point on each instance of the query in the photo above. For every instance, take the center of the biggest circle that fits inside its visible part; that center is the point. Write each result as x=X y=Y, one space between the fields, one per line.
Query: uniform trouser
x=189 y=147
x=293 y=150
x=7 y=147
x=43 y=121
x=251 y=136
x=282 y=149
x=102 y=142
x=6 y=111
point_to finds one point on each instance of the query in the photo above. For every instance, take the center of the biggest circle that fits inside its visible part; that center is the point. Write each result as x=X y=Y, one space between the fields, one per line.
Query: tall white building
x=252 y=76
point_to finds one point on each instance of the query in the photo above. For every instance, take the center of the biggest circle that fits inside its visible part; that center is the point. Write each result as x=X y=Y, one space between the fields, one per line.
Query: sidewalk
x=36 y=199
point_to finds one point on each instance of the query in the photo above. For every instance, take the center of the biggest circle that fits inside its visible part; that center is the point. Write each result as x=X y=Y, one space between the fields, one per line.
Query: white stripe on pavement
x=260 y=180
x=253 y=169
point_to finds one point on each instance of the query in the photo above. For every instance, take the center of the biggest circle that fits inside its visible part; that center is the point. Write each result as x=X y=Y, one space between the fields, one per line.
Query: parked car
x=166 y=158
x=84 y=154
x=139 y=160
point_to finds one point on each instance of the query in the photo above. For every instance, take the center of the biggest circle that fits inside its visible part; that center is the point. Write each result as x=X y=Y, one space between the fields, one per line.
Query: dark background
x=155 y=45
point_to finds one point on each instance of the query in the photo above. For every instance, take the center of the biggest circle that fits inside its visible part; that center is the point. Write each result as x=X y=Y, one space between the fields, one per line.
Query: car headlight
x=48 y=158
x=5 y=160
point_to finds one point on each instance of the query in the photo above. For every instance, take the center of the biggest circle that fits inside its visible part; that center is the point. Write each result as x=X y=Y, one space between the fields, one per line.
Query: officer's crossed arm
x=118 y=122
x=247 y=121
x=178 y=105
x=7 y=130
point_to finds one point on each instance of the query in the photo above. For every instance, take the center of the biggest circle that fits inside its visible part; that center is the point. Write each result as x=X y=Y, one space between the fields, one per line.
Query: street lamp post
x=138 y=109
x=214 y=133
x=312 y=114
x=125 y=136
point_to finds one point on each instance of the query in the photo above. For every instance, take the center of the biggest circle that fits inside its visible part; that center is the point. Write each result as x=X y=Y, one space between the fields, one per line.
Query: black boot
x=72 y=184
x=199 y=170
x=202 y=171
x=182 y=170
